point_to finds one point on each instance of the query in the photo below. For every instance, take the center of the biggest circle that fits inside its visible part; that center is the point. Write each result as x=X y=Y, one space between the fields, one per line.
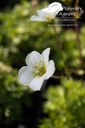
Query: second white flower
x=38 y=69
x=49 y=13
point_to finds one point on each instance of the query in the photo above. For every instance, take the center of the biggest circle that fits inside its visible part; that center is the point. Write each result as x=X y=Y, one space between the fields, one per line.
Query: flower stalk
x=56 y=77
x=77 y=31
x=59 y=44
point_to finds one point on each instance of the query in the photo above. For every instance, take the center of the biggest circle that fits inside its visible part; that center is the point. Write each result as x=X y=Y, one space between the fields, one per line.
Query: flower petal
x=45 y=54
x=36 y=84
x=43 y=12
x=50 y=69
x=36 y=18
x=55 y=7
x=33 y=58
x=54 y=4
x=25 y=76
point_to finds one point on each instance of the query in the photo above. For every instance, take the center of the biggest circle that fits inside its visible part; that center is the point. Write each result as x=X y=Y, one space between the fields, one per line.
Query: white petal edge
x=33 y=58
x=43 y=12
x=54 y=4
x=36 y=18
x=50 y=69
x=24 y=75
x=45 y=55
x=37 y=83
x=55 y=8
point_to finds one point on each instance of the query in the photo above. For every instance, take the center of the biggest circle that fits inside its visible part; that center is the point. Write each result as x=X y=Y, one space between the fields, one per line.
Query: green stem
x=59 y=44
x=60 y=49
x=77 y=32
x=56 y=77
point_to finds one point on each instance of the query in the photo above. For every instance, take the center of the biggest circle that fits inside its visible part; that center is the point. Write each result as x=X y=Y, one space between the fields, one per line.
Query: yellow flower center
x=40 y=69
x=49 y=18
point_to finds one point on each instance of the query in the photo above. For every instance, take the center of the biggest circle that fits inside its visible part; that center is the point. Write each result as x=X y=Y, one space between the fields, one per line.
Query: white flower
x=38 y=69
x=48 y=14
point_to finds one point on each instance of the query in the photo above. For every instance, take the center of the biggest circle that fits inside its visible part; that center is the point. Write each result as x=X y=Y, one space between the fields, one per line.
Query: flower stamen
x=49 y=18
x=39 y=69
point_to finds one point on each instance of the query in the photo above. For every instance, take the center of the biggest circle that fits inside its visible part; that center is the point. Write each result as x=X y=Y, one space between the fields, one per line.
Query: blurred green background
x=61 y=102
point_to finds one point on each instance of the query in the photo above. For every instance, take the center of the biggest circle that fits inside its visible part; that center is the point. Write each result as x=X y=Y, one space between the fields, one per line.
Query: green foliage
x=19 y=36
x=65 y=105
x=12 y=97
